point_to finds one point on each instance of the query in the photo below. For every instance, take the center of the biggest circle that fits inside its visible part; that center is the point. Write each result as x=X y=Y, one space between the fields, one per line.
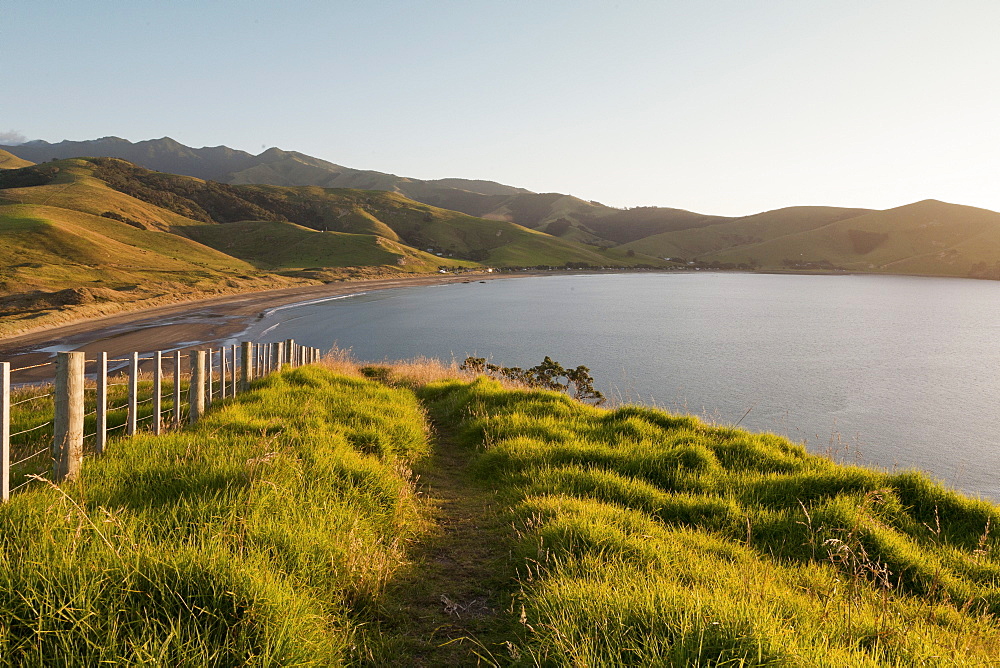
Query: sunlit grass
x=649 y=539
x=270 y=532
x=258 y=537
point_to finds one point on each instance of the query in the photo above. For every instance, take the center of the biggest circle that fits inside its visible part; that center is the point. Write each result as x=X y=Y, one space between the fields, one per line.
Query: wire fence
x=80 y=411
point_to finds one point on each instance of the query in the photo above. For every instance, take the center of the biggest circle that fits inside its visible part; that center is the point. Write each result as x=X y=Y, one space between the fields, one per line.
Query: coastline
x=195 y=322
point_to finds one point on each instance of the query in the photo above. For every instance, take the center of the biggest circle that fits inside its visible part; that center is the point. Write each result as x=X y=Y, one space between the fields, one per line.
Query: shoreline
x=195 y=322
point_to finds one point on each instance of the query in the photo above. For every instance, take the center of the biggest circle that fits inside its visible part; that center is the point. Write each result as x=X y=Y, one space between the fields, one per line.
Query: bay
x=898 y=372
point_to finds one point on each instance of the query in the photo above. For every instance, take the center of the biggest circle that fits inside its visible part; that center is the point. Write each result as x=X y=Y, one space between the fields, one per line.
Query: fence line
x=237 y=367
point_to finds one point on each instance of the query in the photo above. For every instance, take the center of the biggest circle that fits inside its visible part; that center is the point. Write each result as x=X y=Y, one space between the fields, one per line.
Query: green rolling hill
x=282 y=246
x=11 y=161
x=927 y=238
x=719 y=234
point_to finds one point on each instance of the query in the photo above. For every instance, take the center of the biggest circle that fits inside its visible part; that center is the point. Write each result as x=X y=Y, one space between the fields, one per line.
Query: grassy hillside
x=193 y=202
x=58 y=264
x=495 y=242
x=473 y=197
x=286 y=528
x=283 y=246
x=11 y=161
x=653 y=539
x=930 y=237
x=719 y=235
x=71 y=247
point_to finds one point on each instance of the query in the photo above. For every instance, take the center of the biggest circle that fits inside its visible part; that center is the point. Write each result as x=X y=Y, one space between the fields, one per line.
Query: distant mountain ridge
x=227 y=165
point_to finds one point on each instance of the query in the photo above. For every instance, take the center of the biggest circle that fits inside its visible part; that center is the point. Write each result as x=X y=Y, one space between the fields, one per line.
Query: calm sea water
x=893 y=371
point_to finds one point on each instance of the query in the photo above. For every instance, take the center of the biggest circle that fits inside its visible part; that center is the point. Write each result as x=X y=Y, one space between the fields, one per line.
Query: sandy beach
x=187 y=324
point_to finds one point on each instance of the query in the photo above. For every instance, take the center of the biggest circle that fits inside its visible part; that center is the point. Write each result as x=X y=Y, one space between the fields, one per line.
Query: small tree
x=546 y=375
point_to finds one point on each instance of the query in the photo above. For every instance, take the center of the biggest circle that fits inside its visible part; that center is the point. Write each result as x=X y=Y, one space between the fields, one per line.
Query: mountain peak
x=272 y=153
x=167 y=141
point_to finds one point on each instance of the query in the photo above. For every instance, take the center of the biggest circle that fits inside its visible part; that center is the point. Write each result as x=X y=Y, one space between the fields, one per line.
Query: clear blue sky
x=727 y=107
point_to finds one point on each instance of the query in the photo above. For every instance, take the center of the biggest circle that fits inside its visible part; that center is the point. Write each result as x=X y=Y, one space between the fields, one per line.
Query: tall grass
x=646 y=538
x=267 y=534
x=261 y=536
x=32 y=406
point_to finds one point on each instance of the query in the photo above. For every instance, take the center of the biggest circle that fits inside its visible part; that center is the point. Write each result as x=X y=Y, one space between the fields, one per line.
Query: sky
x=726 y=107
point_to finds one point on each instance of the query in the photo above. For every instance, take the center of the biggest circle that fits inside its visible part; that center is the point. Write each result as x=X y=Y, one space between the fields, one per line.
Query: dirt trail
x=453 y=606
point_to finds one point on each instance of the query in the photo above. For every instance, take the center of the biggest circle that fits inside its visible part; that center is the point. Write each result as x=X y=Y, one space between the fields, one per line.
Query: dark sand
x=200 y=323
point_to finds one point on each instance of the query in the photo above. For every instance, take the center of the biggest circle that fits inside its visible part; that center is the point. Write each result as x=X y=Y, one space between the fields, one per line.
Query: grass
x=928 y=238
x=323 y=519
x=459 y=235
x=61 y=260
x=650 y=539
x=259 y=537
x=282 y=246
x=32 y=407
x=729 y=233
x=924 y=238
x=10 y=161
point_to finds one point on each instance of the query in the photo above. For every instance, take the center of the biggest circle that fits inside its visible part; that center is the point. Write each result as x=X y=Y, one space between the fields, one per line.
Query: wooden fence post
x=177 y=388
x=279 y=355
x=4 y=431
x=235 y=365
x=289 y=347
x=67 y=427
x=157 y=392
x=246 y=373
x=102 y=402
x=133 y=394
x=196 y=387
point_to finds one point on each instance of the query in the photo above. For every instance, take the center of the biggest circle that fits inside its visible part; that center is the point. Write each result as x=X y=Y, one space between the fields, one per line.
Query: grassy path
x=453 y=606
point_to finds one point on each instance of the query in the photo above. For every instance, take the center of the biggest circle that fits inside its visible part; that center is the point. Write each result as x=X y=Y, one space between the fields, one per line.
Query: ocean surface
x=896 y=372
